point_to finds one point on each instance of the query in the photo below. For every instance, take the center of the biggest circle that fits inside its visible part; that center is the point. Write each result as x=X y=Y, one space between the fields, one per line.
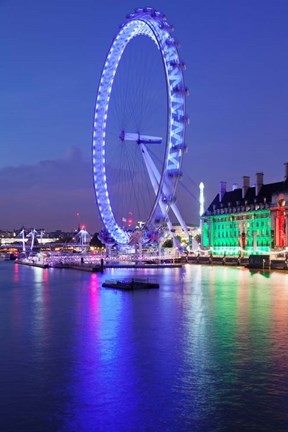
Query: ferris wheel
x=117 y=148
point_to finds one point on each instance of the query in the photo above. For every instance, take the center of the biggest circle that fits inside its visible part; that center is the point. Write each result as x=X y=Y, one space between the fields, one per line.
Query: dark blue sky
x=51 y=56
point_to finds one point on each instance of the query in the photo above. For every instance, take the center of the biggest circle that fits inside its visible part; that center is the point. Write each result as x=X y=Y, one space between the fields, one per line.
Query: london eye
x=139 y=128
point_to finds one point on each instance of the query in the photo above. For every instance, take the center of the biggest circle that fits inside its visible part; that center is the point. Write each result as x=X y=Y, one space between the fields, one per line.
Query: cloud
x=49 y=194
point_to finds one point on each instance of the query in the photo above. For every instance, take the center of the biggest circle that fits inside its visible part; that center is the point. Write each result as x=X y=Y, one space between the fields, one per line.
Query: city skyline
x=237 y=64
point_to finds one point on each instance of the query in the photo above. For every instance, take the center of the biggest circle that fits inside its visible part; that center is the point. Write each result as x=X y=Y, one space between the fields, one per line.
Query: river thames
x=208 y=351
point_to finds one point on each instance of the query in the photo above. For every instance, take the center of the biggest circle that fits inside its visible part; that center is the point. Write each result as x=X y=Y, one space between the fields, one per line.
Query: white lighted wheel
x=160 y=152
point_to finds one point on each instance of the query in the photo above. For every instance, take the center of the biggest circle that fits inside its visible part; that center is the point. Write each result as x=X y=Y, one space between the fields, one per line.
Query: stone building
x=251 y=219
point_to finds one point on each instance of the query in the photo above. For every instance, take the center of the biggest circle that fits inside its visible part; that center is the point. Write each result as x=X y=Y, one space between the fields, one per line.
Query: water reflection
x=207 y=351
x=16 y=273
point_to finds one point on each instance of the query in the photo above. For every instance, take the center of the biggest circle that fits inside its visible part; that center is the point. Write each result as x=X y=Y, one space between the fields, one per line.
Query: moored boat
x=130 y=284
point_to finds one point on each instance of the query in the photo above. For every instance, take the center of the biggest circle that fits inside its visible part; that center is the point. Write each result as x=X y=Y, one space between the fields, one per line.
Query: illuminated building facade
x=251 y=219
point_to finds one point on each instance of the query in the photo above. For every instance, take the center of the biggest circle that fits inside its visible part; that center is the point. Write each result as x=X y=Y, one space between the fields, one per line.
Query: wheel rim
x=152 y=24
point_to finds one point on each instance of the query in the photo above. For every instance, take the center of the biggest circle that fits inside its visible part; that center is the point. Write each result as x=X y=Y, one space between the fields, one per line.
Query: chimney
x=246 y=184
x=234 y=186
x=222 y=190
x=286 y=170
x=259 y=182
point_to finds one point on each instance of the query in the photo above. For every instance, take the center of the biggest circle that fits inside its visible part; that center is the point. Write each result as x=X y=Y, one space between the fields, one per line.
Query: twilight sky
x=51 y=57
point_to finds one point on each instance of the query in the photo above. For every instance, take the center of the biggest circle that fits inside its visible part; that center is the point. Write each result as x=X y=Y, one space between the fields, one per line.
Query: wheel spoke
x=150 y=24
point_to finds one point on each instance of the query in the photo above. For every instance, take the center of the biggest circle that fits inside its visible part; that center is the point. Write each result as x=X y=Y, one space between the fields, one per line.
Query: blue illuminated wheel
x=163 y=175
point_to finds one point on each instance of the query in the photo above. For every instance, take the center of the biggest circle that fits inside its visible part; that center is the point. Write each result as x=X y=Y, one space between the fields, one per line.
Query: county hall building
x=250 y=219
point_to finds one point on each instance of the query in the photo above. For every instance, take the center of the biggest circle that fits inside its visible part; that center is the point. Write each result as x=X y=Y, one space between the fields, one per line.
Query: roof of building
x=235 y=197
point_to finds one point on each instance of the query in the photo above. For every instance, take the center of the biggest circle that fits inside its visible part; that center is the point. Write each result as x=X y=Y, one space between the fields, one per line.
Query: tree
x=95 y=242
x=168 y=243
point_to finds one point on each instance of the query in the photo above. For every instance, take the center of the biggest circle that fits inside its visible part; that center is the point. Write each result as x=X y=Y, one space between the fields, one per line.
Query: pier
x=92 y=263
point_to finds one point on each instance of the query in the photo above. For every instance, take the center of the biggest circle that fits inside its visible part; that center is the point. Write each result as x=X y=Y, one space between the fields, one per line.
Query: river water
x=208 y=351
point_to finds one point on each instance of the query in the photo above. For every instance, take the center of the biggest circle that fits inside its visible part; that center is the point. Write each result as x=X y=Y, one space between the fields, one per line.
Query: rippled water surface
x=208 y=351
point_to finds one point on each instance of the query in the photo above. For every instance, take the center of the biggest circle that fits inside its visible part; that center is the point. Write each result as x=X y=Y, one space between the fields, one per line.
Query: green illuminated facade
x=232 y=233
x=247 y=220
